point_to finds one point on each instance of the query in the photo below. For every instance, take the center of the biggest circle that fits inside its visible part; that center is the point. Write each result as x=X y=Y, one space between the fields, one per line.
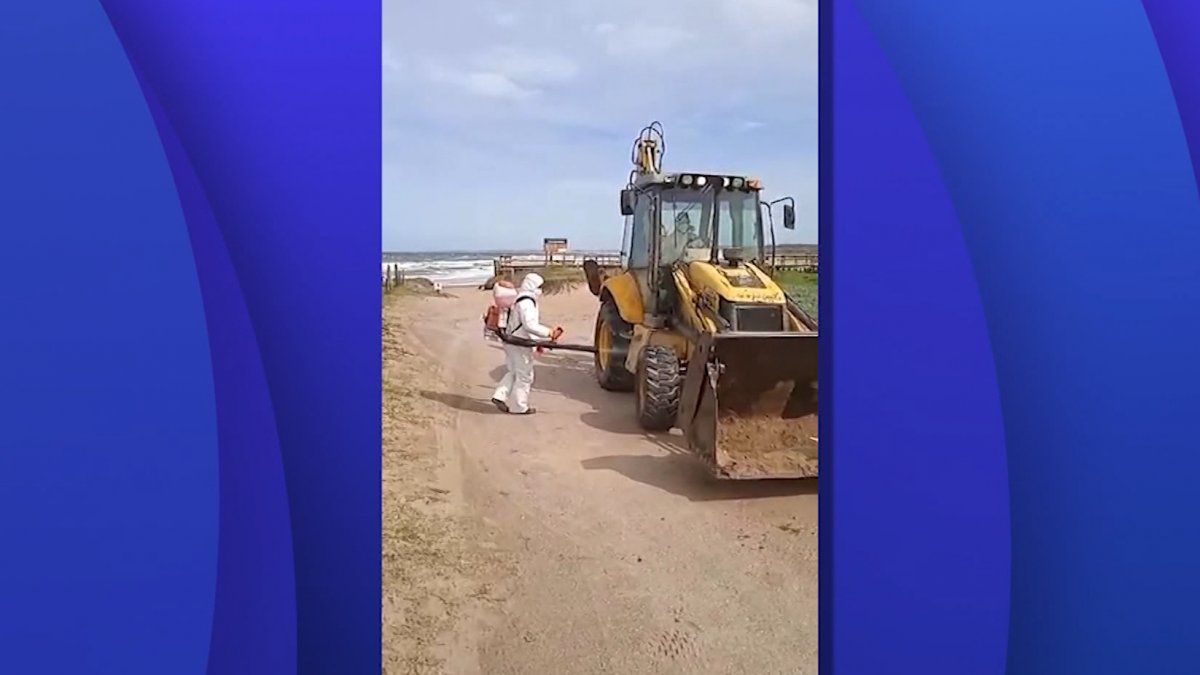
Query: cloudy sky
x=507 y=122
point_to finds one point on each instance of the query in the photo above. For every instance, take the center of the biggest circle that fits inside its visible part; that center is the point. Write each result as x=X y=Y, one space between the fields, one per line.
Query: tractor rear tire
x=612 y=337
x=659 y=384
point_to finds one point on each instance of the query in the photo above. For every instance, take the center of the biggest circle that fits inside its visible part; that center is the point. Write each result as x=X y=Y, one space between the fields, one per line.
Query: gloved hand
x=556 y=333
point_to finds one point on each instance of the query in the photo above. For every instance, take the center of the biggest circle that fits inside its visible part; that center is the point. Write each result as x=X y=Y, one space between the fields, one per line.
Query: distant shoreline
x=538 y=252
x=461 y=269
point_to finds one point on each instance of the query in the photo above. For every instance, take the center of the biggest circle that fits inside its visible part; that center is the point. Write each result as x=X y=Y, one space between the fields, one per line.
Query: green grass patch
x=802 y=286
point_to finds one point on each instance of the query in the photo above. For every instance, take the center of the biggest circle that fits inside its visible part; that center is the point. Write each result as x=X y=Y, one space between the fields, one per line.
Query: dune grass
x=410 y=286
x=556 y=279
x=802 y=286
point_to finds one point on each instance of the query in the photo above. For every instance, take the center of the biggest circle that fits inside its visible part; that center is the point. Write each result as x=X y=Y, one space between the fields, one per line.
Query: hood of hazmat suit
x=525 y=320
x=532 y=284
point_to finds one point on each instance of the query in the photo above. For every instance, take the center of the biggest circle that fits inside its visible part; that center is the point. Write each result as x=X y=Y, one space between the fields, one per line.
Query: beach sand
x=570 y=541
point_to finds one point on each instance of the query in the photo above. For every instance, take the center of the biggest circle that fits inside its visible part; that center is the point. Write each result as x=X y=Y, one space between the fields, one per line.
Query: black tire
x=659 y=383
x=614 y=331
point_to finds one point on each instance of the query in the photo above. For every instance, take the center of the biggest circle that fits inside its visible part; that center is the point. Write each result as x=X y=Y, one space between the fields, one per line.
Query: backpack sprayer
x=495 y=323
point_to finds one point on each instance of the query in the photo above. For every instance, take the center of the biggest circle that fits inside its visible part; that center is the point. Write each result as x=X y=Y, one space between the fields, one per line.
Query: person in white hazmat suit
x=512 y=395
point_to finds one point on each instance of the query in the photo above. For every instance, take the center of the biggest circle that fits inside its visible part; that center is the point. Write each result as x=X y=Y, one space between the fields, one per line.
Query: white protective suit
x=523 y=322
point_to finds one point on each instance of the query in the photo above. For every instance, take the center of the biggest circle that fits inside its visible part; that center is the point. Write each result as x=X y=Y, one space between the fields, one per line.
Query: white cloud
x=645 y=40
x=772 y=16
x=548 y=112
x=496 y=85
x=391 y=62
x=504 y=73
x=479 y=82
x=528 y=67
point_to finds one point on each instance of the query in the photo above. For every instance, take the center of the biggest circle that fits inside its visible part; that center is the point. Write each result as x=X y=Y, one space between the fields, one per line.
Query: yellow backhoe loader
x=696 y=326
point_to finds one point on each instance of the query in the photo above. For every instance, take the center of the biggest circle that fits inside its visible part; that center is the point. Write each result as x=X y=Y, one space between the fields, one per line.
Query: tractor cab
x=683 y=219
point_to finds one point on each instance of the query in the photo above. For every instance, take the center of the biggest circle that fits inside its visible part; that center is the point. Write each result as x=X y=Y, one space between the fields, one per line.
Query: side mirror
x=789 y=216
x=627 y=202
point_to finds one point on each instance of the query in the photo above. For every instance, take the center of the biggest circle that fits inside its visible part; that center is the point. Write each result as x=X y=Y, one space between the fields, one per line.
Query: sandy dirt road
x=593 y=546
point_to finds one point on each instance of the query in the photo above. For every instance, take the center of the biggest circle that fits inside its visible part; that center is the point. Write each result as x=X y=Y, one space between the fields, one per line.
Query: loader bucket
x=749 y=404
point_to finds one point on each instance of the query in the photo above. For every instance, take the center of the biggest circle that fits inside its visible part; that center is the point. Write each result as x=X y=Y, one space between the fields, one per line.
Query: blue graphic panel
x=1060 y=133
x=917 y=553
x=1011 y=244
x=191 y=429
x=274 y=110
x=108 y=440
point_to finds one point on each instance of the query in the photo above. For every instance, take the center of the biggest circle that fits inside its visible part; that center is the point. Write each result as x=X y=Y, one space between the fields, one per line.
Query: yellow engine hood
x=743 y=283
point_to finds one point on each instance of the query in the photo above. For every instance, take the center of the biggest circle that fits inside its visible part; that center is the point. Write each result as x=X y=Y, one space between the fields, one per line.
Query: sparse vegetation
x=561 y=279
x=415 y=286
x=421 y=552
x=557 y=279
x=802 y=286
x=408 y=287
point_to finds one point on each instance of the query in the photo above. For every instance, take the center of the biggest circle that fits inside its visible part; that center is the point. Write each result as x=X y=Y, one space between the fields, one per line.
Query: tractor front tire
x=612 y=337
x=659 y=383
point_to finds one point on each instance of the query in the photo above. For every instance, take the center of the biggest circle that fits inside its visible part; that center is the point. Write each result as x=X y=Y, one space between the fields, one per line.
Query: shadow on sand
x=678 y=471
x=570 y=375
x=463 y=403
x=682 y=473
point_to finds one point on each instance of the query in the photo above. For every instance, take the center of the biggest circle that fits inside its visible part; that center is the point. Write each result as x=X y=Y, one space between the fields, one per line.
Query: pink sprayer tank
x=503 y=296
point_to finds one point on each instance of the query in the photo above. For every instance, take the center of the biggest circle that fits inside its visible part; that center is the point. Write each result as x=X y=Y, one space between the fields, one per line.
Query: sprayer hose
x=522 y=342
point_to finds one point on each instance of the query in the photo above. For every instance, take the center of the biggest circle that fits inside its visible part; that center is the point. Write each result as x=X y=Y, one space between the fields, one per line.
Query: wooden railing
x=802 y=262
x=507 y=264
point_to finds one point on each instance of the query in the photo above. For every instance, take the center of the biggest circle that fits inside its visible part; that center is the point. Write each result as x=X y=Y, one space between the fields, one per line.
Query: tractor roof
x=697 y=179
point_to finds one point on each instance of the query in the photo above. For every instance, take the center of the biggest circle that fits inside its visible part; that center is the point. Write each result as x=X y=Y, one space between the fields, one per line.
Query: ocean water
x=453 y=268
x=448 y=268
